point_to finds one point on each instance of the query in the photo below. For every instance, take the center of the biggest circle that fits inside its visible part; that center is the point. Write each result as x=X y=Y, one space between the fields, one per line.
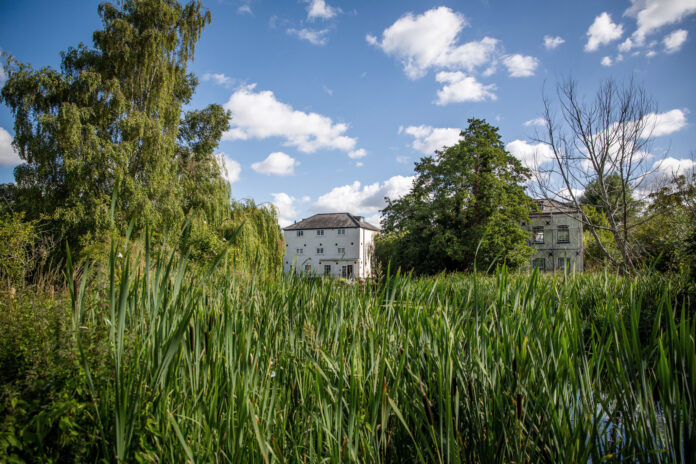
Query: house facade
x=556 y=234
x=332 y=244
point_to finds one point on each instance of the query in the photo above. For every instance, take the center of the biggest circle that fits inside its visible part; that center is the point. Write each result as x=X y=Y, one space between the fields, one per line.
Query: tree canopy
x=112 y=115
x=465 y=209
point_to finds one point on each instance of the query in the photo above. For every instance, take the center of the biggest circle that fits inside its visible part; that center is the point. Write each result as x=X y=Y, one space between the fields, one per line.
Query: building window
x=300 y=233
x=564 y=264
x=563 y=234
x=341 y=231
x=539 y=263
x=308 y=268
x=538 y=235
x=341 y=251
x=320 y=251
x=347 y=271
x=299 y=251
x=320 y=231
x=327 y=269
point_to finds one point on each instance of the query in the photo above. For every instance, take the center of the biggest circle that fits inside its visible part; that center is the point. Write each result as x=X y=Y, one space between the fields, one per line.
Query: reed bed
x=205 y=366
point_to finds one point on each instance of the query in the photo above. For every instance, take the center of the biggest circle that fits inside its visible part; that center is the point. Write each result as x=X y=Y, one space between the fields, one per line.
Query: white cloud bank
x=651 y=15
x=602 y=31
x=277 y=163
x=8 y=154
x=285 y=206
x=666 y=123
x=368 y=199
x=427 y=139
x=259 y=115
x=531 y=155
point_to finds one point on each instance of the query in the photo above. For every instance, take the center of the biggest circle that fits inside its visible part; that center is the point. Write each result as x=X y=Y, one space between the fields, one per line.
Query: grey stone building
x=556 y=233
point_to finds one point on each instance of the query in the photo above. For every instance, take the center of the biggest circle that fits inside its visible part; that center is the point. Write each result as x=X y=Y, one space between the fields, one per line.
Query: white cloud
x=285 y=205
x=663 y=171
x=428 y=138
x=602 y=31
x=277 y=163
x=626 y=45
x=8 y=154
x=552 y=42
x=675 y=40
x=430 y=40
x=536 y=122
x=359 y=164
x=531 y=155
x=666 y=123
x=520 y=66
x=319 y=9
x=460 y=88
x=653 y=14
x=229 y=167
x=358 y=199
x=244 y=9
x=606 y=61
x=314 y=36
x=359 y=153
x=218 y=78
x=260 y=115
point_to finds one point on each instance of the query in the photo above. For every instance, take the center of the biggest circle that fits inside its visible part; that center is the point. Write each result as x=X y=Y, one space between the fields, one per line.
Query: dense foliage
x=111 y=120
x=162 y=364
x=465 y=210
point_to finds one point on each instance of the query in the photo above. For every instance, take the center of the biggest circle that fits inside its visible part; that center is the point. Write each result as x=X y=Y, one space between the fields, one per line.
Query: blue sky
x=333 y=101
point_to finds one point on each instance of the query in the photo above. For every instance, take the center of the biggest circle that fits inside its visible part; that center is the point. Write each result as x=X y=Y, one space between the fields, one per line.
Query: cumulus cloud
x=427 y=139
x=536 y=122
x=359 y=153
x=285 y=205
x=663 y=171
x=245 y=9
x=602 y=31
x=666 y=123
x=8 y=154
x=520 y=65
x=318 y=9
x=675 y=40
x=606 y=61
x=363 y=199
x=552 y=42
x=314 y=36
x=461 y=88
x=653 y=14
x=277 y=163
x=230 y=168
x=218 y=78
x=260 y=115
x=531 y=155
x=430 y=40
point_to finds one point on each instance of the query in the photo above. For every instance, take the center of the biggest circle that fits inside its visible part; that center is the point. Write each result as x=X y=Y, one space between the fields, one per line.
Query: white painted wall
x=356 y=242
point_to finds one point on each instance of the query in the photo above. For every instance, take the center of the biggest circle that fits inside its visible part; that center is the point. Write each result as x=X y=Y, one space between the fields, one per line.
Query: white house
x=332 y=244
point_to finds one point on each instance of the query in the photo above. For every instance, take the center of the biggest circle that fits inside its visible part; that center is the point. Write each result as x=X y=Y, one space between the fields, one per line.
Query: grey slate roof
x=332 y=221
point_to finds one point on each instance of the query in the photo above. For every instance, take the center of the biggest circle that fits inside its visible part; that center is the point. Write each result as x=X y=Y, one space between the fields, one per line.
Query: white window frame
x=320 y=250
x=320 y=231
x=537 y=232
x=341 y=231
x=566 y=231
x=300 y=233
x=341 y=250
x=299 y=251
x=327 y=269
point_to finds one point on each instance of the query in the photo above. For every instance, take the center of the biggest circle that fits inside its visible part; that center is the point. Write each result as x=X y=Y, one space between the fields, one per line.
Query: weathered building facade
x=556 y=234
x=332 y=244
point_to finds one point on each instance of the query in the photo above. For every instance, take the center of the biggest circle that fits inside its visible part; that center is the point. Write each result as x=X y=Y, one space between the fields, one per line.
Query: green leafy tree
x=465 y=209
x=112 y=116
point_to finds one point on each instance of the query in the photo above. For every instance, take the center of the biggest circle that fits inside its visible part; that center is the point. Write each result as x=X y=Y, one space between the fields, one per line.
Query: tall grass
x=206 y=367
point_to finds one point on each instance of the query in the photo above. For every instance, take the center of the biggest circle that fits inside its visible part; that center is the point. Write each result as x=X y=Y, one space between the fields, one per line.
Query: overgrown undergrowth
x=171 y=365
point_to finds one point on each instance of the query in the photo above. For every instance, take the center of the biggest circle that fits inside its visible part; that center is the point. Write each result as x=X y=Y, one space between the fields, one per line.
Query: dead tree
x=595 y=142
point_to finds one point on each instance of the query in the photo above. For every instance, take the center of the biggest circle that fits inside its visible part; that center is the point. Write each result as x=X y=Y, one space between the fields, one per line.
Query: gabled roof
x=332 y=221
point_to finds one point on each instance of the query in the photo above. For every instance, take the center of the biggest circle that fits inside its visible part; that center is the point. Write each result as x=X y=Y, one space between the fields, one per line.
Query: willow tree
x=112 y=117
